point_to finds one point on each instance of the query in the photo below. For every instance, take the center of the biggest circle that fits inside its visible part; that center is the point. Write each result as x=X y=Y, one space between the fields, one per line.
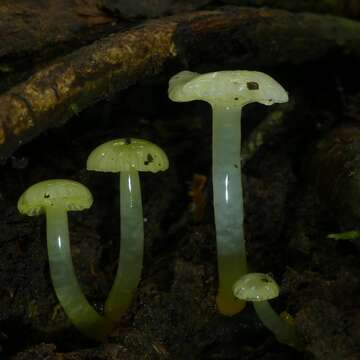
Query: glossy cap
x=227 y=88
x=127 y=154
x=69 y=194
x=256 y=287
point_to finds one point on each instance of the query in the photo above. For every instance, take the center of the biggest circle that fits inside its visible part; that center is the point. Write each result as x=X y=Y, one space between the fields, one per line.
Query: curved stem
x=285 y=332
x=131 y=247
x=228 y=205
x=64 y=280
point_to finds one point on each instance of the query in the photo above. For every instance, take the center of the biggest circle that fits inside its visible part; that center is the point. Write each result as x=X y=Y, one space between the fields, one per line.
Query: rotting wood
x=258 y=37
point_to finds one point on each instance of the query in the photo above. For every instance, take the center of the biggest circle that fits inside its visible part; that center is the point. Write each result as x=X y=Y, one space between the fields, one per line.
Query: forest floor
x=173 y=315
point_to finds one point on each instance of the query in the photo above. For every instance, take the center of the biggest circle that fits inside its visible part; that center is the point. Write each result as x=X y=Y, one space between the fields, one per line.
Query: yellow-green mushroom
x=55 y=198
x=127 y=156
x=259 y=288
x=227 y=92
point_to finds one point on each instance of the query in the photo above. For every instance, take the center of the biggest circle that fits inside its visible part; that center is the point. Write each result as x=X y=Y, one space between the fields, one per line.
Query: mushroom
x=55 y=198
x=227 y=92
x=127 y=156
x=258 y=288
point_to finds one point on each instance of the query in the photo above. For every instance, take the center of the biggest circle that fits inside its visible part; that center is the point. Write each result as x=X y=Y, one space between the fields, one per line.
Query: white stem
x=228 y=198
x=131 y=246
x=285 y=333
x=64 y=280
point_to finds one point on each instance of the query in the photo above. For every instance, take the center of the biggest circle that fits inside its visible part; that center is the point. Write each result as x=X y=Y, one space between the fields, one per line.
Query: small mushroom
x=258 y=288
x=127 y=157
x=227 y=92
x=55 y=198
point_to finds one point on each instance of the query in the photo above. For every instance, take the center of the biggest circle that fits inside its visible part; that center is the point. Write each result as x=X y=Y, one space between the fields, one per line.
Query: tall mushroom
x=127 y=156
x=227 y=92
x=55 y=198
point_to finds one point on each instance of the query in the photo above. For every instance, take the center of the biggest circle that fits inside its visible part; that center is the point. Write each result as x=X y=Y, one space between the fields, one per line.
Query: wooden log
x=256 y=37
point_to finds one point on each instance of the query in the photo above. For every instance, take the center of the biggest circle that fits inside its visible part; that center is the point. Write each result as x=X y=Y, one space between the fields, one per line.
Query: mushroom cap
x=256 y=287
x=70 y=194
x=127 y=154
x=227 y=88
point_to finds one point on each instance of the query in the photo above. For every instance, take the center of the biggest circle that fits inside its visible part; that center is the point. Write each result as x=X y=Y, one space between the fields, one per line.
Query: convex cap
x=69 y=194
x=256 y=287
x=127 y=154
x=227 y=88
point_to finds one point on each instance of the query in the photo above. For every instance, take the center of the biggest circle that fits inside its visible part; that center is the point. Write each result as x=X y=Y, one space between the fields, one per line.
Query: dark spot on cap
x=235 y=166
x=252 y=85
x=46 y=195
x=265 y=280
x=236 y=98
x=127 y=141
x=149 y=159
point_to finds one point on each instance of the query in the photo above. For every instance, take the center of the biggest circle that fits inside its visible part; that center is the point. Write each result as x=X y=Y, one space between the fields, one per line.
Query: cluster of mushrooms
x=56 y=197
x=227 y=92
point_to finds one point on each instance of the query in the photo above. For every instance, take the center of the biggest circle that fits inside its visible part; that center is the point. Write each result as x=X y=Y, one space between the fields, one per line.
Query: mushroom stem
x=64 y=280
x=228 y=205
x=227 y=92
x=131 y=246
x=284 y=331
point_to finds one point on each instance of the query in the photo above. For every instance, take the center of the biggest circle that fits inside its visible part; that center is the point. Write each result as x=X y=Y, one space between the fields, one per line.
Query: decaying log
x=30 y=26
x=254 y=37
x=40 y=28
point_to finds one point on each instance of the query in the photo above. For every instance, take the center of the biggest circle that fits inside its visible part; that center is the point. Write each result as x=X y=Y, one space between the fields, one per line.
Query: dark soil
x=174 y=315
